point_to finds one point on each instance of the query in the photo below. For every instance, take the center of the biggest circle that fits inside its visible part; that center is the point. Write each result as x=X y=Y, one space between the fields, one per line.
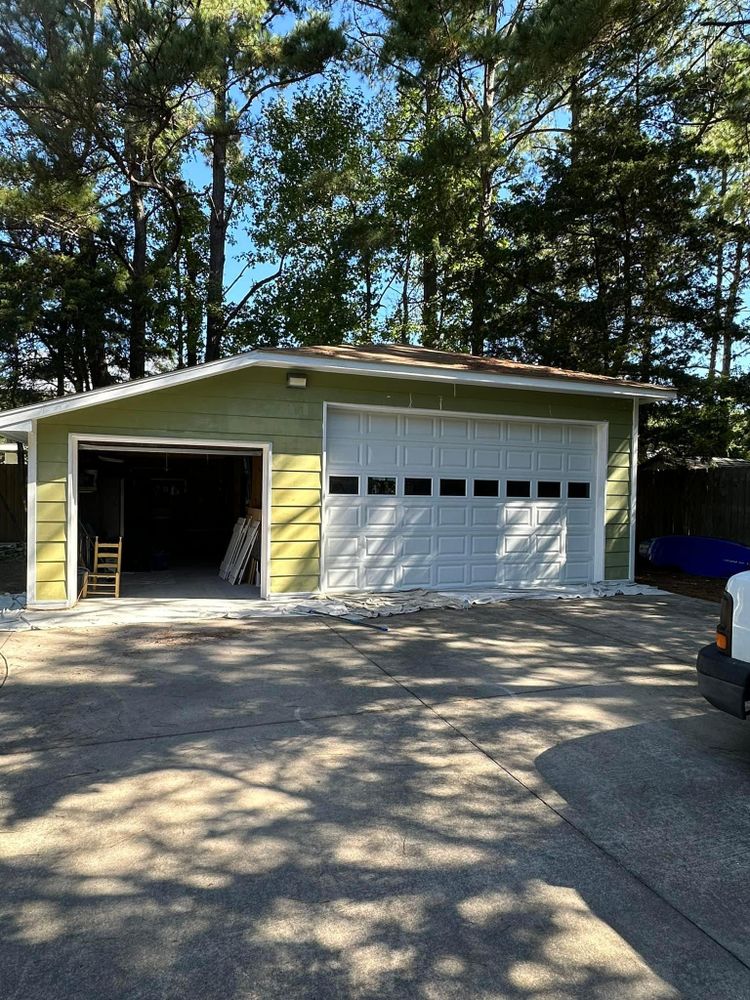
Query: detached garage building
x=381 y=467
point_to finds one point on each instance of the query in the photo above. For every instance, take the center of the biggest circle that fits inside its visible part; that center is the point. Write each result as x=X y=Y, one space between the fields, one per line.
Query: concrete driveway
x=520 y=801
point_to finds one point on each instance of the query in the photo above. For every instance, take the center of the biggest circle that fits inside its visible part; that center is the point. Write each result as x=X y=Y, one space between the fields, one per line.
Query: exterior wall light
x=296 y=381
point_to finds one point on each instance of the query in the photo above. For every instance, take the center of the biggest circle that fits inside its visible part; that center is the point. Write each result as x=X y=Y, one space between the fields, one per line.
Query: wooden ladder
x=104 y=579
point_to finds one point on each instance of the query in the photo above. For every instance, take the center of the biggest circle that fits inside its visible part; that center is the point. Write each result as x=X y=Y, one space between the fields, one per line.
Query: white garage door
x=416 y=500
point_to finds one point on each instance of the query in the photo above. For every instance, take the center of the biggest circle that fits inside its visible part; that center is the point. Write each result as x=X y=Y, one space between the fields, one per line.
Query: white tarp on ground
x=102 y=613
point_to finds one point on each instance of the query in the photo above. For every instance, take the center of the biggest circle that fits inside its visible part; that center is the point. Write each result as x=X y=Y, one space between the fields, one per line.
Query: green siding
x=256 y=405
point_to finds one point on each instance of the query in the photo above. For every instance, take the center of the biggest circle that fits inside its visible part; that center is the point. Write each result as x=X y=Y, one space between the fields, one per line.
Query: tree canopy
x=562 y=182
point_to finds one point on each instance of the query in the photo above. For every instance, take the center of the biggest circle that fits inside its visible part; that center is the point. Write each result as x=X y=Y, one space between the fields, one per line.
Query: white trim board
x=208 y=446
x=161 y=450
x=602 y=479
x=458 y=414
x=16 y=421
x=31 y=473
x=323 y=495
x=633 y=488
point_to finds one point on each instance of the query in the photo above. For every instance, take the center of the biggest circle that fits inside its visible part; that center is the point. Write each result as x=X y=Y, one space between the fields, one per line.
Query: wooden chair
x=104 y=579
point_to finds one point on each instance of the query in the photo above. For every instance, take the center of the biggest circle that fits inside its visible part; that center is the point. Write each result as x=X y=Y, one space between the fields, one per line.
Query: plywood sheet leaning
x=243 y=556
x=235 y=541
x=235 y=562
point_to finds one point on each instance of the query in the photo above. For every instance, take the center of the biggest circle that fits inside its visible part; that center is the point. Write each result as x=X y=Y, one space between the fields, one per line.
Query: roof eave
x=18 y=432
x=17 y=421
x=581 y=387
x=548 y=383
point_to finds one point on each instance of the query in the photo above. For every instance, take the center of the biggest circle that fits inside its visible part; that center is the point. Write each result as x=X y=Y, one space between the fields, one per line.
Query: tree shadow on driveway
x=237 y=814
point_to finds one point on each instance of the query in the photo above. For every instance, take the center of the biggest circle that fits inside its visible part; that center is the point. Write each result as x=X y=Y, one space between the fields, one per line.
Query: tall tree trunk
x=77 y=370
x=478 y=328
x=14 y=372
x=405 y=300
x=92 y=334
x=193 y=310
x=367 y=263
x=96 y=359
x=138 y=291
x=60 y=363
x=726 y=353
x=179 y=311
x=576 y=109
x=430 y=297
x=716 y=316
x=625 y=339
x=217 y=224
x=718 y=303
x=430 y=256
x=730 y=312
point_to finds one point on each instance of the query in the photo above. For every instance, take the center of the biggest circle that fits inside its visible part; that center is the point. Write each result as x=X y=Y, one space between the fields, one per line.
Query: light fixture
x=294 y=381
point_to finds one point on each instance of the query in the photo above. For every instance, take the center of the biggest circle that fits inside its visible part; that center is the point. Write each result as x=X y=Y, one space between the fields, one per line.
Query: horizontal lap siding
x=247 y=406
x=617 y=537
x=256 y=406
x=51 y=496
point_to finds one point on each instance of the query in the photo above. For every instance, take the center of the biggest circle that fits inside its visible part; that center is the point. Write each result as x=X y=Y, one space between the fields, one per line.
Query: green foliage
x=565 y=182
x=599 y=253
x=709 y=420
x=319 y=206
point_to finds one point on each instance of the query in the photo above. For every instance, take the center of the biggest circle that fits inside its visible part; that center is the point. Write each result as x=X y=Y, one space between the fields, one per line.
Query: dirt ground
x=13 y=575
x=676 y=582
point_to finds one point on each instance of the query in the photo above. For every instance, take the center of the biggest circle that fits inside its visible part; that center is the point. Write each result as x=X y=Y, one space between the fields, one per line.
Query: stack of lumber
x=236 y=559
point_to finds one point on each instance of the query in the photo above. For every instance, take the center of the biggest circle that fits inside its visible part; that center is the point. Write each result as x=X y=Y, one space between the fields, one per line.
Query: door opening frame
x=162 y=445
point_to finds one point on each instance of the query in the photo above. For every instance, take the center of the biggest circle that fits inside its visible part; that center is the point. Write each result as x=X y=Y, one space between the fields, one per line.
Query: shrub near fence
x=713 y=501
x=12 y=508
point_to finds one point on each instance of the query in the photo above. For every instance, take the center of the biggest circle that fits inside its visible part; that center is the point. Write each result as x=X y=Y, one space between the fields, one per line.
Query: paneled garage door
x=421 y=500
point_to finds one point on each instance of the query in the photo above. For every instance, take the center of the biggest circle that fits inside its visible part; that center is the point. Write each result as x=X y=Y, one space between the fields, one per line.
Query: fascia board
x=16 y=421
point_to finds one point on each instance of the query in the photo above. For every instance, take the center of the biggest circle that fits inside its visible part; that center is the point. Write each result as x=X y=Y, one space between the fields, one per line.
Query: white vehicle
x=724 y=666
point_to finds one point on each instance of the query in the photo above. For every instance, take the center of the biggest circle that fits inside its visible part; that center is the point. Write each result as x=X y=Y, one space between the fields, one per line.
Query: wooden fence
x=12 y=509
x=713 y=502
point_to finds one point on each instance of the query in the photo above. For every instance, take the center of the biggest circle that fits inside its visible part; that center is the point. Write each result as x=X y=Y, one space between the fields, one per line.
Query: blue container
x=698 y=555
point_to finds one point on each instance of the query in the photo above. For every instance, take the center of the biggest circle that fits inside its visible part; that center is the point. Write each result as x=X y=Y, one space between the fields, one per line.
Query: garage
x=419 y=499
x=381 y=467
x=174 y=509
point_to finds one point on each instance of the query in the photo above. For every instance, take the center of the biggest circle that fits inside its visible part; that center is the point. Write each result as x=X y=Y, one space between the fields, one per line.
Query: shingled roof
x=425 y=357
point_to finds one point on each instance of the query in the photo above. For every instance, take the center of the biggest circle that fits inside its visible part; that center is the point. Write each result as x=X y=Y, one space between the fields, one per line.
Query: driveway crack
x=16 y=750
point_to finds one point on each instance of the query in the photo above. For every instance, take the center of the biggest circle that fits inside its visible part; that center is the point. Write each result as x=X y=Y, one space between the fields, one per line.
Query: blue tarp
x=699 y=555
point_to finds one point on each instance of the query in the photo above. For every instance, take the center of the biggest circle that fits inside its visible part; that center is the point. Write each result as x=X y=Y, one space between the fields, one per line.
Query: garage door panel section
x=344 y=517
x=415 y=500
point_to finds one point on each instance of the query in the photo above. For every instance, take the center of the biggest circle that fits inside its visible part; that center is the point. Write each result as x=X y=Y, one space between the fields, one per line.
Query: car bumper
x=724 y=681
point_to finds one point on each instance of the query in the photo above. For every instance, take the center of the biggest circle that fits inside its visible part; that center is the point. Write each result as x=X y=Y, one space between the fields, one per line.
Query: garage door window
x=485 y=487
x=381 y=486
x=343 y=485
x=547 y=490
x=518 y=489
x=416 y=487
x=579 y=491
x=452 y=487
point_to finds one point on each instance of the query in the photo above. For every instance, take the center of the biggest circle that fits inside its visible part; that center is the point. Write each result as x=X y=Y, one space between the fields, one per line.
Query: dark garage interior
x=175 y=512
